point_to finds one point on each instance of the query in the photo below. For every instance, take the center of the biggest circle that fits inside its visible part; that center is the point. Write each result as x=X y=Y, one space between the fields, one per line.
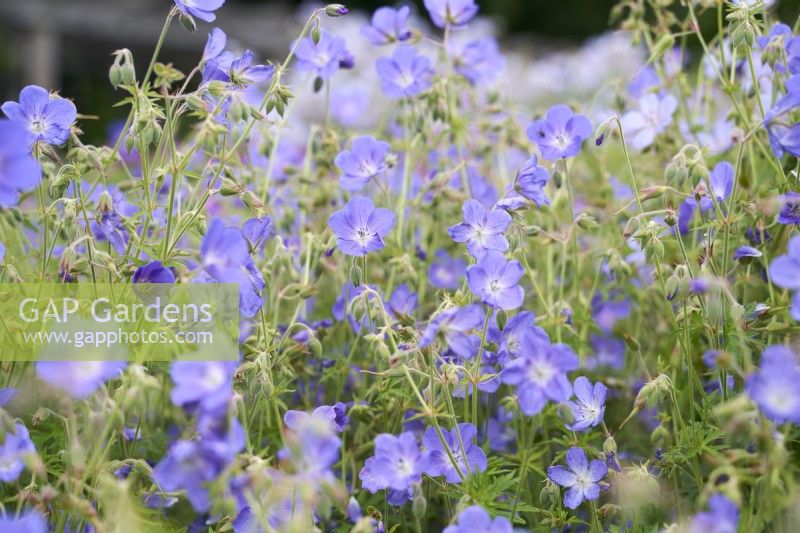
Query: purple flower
x=403 y=301
x=325 y=57
x=775 y=386
x=531 y=181
x=190 y=466
x=454 y=325
x=475 y=519
x=482 y=230
x=790 y=208
x=243 y=72
x=203 y=385
x=496 y=281
x=360 y=227
x=19 y=171
x=47 y=118
x=366 y=160
x=78 y=378
x=580 y=476
x=508 y=340
x=451 y=13
x=719 y=188
x=405 y=73
x=561 y=133
x=215 y=45
x=722 y=517
x=446 y=271
x=540 y=373
x=653 y=116
x=108 y=224
x=388 y=26
x=225 y=255
x=607 y=312
x=468 y=459
x=784 y=139
x=397 y=463
x=13 y=451
x=153 y=272
x=29 y=521
x=336 y=415
x=256 y=231
x=201 y=9
x=478 y=61
x=745 y=253
x=609 y=352
x=590 y=404
x=784 y=270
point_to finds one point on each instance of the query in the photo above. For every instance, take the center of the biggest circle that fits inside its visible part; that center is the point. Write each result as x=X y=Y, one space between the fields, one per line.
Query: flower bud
x=336 y=10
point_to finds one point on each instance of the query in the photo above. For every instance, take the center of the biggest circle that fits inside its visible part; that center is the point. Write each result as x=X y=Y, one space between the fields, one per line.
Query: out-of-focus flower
x=653 y=116
x=790 y=208
x=722 y=517
x=455 y=324
x=365 y=160
x=203 y=385
x=153 y=272
x=474 y=519
x=388 y=26
x=13 y=451
x=396 y=464
x=19 y=171
x=29 y=521
x=336 y=414
x=78 y=378
x=324 y=57
x=446 y=271
x=478 y=61
x=451 y=13
x=775 y=386
x=405 y=73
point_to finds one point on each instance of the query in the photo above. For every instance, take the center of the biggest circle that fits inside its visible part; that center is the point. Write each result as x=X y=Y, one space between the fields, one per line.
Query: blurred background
x=66 y=44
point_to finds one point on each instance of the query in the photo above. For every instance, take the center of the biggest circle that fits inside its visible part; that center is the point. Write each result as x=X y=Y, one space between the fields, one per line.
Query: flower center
x=541 y=372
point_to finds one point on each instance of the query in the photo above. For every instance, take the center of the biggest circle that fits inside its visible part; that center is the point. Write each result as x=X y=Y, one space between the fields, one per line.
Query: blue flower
x=654 y=115
x=153 y=272
x=722 y=517
x=256 y=231
x=78 y=378
x=360 y=227
x=531 y=181
x=402 y=302
x=746 y=253
x=190 y=466
x=496 y=281
x=397 y=463
x=335 y=414
x=388 y=26
x=508 y=340
x=468 y=459
x=366 y=160
x=482 y=230
x=581 y=477
x=324 y=57
x=405 y=73
x=225 y=255
x=561 y=133
x=719 y=188
x=451 y=13
x=47 y=118
x=16 y=446
x=478 y=61
x=775 y=386
x=784 y=270
x=790 y=208
x=201 y=9
x=476 y=519
x=19 y=171
x=29 y=521
x=243 y=73
x=540 y=373
x=454 y=324
x=202 y=385
x=590 y=405
x=215 y=45
x=446 y=271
